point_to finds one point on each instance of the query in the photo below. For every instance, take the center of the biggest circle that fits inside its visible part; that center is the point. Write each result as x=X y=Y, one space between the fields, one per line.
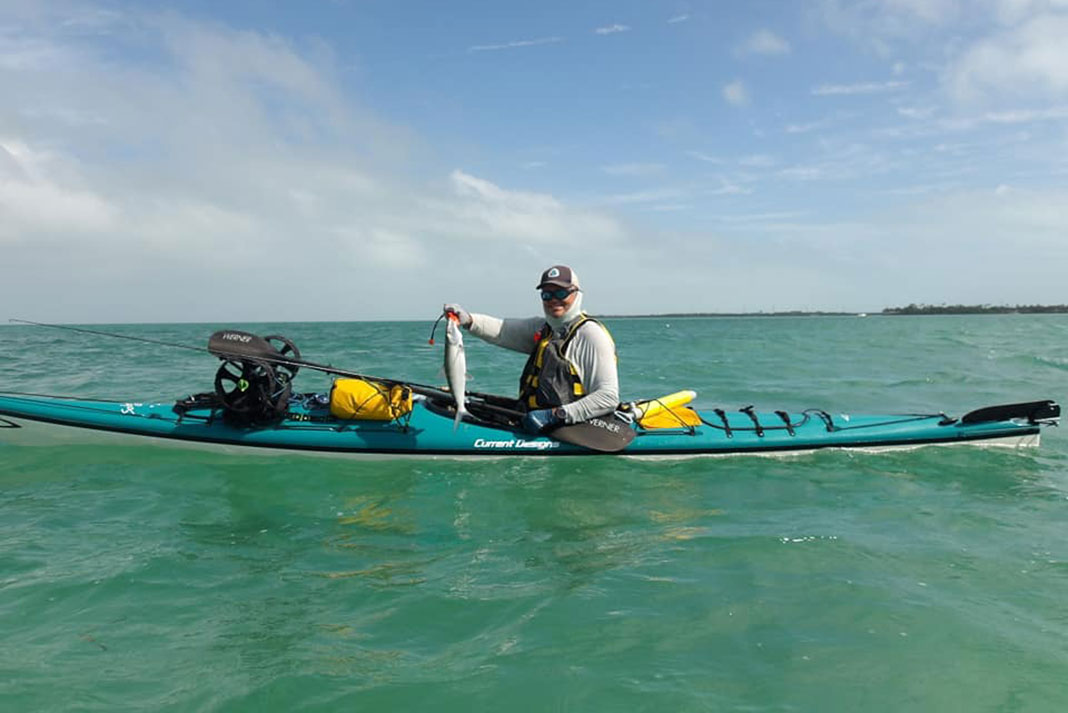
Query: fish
x=456 y=366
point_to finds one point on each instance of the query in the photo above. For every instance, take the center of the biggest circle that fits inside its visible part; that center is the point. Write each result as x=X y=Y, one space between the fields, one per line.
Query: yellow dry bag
x=364 y=400
x=668 y=411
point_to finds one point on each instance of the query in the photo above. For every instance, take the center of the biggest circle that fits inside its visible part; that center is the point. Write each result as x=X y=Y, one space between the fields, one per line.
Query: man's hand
x=538 y=421
x=463 y=315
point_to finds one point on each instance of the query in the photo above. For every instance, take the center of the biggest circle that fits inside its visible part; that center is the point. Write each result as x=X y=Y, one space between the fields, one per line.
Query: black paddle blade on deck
x=606 y=434
x=1033 y=411
x=233 y=342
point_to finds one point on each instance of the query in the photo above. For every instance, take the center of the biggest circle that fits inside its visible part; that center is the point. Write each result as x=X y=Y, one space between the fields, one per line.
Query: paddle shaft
x=233 y=350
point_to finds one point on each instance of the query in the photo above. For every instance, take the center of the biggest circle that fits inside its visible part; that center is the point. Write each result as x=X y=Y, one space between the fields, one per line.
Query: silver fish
x=456 y=366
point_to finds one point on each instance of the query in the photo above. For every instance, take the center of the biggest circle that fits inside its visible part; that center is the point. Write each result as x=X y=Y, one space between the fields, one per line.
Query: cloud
x=735 y=93
x=241 y=164
x=912 y=250
x=704 y=157
x=916 y=112
x=933 y=12
x=837 y=118
x=1029 y=61
x=727 y=188
x=633 y=169
x=1026 y=219
x=387 y=249
x=27 y=53
x=653 y=195
x=487 y=211
x=994 y=50
x=860 y=88
x=152 y=149
x=764 y=42
x=760 y=217
x=874 y=23
x=843 y=161
x=1026 y=116
x=674 y=197
x=804 y=173
x=611 y=29
x=38 y=194
x=678 y=18
x=1004 y=117
x=757 y=161
x=515 y=44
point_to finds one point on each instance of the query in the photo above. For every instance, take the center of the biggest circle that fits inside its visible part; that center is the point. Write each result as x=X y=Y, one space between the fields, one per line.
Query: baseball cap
x=559 y=275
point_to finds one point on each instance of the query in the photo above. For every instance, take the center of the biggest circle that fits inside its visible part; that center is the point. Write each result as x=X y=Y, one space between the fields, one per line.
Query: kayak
x=428 y=429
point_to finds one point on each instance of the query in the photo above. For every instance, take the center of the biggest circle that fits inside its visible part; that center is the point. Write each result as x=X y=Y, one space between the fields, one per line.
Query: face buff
x=569 y=316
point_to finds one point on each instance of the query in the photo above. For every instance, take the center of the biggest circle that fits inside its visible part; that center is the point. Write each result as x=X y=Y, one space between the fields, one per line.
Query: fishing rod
x=233 y=343
x=230 y=343
x=595 y=434
x=243 y=345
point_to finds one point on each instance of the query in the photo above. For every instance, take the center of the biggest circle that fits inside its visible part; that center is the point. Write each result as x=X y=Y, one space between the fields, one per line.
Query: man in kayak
x=571 y=375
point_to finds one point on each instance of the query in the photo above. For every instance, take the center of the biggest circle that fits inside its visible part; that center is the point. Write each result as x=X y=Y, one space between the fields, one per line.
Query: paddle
x=608 y=434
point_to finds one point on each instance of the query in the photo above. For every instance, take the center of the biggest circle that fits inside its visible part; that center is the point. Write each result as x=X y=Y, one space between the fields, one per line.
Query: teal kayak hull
x=309 y=428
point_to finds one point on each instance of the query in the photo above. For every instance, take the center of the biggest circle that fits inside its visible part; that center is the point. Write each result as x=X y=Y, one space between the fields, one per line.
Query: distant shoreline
x=975 y=309
x=908 y=311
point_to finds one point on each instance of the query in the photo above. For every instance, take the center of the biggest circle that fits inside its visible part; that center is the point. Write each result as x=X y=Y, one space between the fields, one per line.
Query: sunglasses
x=560 y=294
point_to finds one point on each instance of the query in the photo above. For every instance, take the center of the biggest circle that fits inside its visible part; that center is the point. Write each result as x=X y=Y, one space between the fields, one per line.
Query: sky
x=371 y=159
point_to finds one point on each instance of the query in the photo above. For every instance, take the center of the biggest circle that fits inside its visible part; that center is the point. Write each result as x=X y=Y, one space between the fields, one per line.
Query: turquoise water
x=143 y=578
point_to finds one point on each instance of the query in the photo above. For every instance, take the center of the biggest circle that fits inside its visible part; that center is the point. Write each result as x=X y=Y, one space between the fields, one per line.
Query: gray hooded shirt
x=591 y=350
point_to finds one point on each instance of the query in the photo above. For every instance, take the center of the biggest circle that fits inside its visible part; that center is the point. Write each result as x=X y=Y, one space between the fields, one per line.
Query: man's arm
x=514 y=334
x=593 y=353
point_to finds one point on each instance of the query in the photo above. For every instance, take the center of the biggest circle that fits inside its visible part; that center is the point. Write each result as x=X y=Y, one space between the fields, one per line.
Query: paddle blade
x=1033 y=411
x=235 y=343
x=606 y=434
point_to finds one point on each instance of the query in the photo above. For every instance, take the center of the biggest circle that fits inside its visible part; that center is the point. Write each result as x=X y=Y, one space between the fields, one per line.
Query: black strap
x=573 y=331
x=726 y=424
x=786 y=419
x=826 y=419
x=748 y=410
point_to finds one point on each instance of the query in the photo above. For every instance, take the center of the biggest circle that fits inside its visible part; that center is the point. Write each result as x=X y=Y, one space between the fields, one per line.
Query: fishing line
x=99 y=333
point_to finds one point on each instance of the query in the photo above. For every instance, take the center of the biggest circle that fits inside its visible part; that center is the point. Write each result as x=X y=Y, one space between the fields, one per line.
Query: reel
x=251 y=391
x=286 y=350
x=255 y=380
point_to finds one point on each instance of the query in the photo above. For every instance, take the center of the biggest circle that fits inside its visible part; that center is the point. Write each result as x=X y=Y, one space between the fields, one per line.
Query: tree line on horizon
x=975 y=309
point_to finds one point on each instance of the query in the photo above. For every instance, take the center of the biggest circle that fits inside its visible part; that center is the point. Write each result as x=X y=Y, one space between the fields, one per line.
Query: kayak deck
x=308 y=427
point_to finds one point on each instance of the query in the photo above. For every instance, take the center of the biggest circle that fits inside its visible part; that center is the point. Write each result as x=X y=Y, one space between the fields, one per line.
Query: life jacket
x=549 y=378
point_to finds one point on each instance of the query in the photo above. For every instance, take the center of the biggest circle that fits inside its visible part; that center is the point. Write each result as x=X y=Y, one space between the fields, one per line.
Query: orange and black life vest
x=549 y=378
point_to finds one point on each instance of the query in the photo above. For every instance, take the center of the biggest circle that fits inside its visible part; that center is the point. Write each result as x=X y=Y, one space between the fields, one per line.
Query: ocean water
x=149 y=578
